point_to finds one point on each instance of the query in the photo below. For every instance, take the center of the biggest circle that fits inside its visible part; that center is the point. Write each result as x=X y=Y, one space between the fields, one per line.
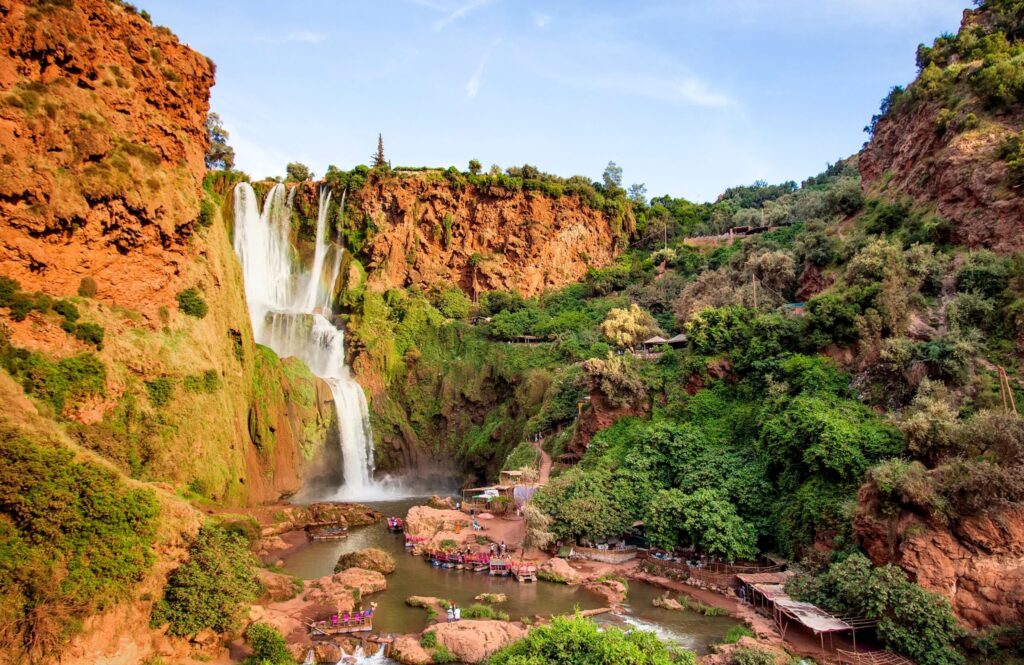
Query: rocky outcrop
x=977 y=563
x=561 y=571
x=473 y=641
x=430 y=232
x=957 y=174
x=343 y=590
x=102 y=143
x=369 y=558
x=432 y=527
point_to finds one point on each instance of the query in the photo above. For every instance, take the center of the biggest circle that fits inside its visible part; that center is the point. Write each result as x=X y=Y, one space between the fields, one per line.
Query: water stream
x=415 y=577
x=290 y=306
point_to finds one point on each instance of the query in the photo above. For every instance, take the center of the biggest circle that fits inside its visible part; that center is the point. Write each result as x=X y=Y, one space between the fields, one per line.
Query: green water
x=414 y=576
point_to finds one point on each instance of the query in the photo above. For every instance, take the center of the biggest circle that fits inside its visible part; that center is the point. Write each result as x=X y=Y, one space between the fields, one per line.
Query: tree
x=219 y=155
x=298 y=172
x=268 y=646
x=578 y=641
x=638 y=193
x=475 y=166
x=628 y=327
x=378 y=159
x=704 y=519
x=538 y=525
x=612 y=176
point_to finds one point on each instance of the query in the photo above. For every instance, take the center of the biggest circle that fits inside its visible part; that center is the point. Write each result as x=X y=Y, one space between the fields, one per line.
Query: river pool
x=413 y=576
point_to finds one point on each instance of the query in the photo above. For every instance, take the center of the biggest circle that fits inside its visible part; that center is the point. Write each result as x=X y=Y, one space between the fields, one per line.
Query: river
x=413 y=576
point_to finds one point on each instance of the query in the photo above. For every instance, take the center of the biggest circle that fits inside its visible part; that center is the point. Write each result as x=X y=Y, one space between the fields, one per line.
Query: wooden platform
x=325 y=629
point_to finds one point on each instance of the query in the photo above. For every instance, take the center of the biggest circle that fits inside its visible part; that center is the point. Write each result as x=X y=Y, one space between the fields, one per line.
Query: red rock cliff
x=977 y=563
x=955 y=173
x=102 y=138
x=431 y=232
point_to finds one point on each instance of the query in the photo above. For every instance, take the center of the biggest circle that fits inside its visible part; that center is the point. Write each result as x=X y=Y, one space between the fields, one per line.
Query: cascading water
x=290 y=307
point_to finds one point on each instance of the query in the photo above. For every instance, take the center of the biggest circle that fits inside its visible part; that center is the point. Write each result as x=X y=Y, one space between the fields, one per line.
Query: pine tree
x=378 y=159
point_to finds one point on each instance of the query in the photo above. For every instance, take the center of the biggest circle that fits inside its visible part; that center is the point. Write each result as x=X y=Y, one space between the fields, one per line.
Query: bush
x=428 y=640
x=68 y=380
x=268 y=646
x=451 y=302
x=87 y=287
x=55 y=508
x=1012 y=152
x=733 y=635
x=67 y=309
x=575 y=640
x=160 y=391
x=442 y=655
x=752 y=657
x=481 y=611
x=212 y=589
x=8 y=288
x=191 y=303
x=90 y=332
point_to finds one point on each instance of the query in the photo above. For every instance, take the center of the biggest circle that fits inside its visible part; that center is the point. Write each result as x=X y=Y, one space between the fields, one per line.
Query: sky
x=688 y=97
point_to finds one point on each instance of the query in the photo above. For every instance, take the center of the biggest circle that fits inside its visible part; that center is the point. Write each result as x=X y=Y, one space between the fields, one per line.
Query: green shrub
x=87 y=287
x=428 y=640
x=212 y=589
x=191 y=303
x=90 y=332
x=748 y=656
x=207 y=211
x=67 y=381
x=1012 y=152
x=268 y=646
x=160 y=390
x=442 y=655
x=574 y=640
x=67 y=309
x=733 y=635
x=481 y=611
x=57 y=508
x=8 y=288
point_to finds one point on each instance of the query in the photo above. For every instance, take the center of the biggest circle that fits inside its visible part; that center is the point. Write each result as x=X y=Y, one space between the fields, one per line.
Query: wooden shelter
x=677 y=342
x=871 y=658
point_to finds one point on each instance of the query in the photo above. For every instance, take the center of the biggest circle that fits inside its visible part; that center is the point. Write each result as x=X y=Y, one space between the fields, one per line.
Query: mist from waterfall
x=290 y=306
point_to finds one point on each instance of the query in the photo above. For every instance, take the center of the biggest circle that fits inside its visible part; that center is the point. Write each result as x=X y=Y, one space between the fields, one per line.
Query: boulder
x=439 y=503
x=406 y=649
x=561 y=569
x=337 y=591
x=473 y=641
x=325 y=652
x=491 y=598
x=277 y=587
x=369 y=558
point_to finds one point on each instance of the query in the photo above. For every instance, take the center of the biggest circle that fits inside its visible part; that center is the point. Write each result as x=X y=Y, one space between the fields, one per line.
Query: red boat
x=395 y=524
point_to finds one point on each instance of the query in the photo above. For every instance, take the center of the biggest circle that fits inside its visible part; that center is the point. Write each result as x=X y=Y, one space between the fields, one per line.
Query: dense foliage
x=212 y=589
x=577 y=641
x=268 y=646
x=73 y=539
x=911 y=621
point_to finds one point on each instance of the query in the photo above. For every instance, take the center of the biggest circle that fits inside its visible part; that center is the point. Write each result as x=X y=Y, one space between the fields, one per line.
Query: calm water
x=415 y=577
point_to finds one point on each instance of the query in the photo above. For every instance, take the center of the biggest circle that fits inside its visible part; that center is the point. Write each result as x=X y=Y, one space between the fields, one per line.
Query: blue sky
x=687 y=97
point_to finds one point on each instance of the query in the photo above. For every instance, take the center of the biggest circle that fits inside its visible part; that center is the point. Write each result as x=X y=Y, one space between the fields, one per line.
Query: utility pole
x=753 y=281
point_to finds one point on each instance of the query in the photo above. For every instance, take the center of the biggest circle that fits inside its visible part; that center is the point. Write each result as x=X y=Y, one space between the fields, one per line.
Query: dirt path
x=545 y=463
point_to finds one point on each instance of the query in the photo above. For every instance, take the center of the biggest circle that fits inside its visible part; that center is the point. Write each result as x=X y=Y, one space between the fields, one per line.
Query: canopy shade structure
x=811 y=616
x=657 y=339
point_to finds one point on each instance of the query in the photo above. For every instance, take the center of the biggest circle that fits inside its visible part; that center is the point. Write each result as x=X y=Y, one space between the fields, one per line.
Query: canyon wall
x=102 y=145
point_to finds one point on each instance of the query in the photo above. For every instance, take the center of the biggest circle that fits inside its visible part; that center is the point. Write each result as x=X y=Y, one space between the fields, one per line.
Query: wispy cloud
x=473 y=84
x=459 y=12
x=541 y=19
x=294 y=37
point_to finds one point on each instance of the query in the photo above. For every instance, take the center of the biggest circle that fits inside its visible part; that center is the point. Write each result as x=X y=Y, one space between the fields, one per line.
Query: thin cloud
x=541 y=20
x=473 y=84
x=689 y=90
x=458 y=13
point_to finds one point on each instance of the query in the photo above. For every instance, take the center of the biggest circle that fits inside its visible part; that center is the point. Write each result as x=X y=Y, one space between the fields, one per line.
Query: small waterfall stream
x=290 y=306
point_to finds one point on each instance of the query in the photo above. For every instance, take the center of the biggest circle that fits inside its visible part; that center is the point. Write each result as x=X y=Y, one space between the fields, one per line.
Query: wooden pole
x=753 y=281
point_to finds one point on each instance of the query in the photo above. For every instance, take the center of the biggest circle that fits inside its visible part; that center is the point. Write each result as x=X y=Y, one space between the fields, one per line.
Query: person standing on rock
x=458 y=613
x=451 y=613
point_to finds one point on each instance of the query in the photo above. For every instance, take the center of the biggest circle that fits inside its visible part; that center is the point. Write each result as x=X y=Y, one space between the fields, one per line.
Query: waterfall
x=290 y=306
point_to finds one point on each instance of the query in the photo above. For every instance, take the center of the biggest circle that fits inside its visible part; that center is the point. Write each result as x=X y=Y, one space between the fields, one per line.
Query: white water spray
x=290 y=307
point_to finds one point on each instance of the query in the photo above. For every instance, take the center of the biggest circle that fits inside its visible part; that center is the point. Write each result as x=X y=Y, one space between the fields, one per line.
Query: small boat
x=499 y=567
x=395 y=524
x=524 y=572
x=328 y=533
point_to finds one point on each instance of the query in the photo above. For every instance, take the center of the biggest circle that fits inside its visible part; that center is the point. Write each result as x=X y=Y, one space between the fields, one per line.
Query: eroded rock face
x=958 y=173
x=473 y=641
x=978 y=563
x=336 y=591
x=102 y=143
x=437 y=526
x=430 y=232
x=562 y=569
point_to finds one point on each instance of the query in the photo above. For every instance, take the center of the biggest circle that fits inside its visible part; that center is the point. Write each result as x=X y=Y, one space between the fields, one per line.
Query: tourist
x=458 y=613
x=451 y=613
x=502 y=548
x=743 y=594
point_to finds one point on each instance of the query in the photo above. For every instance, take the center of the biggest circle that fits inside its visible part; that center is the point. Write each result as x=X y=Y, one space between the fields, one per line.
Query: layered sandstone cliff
x=428 y=231
x=102 y=139
x=102 y=144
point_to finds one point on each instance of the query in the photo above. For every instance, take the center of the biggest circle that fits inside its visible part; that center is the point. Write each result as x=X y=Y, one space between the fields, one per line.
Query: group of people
x=354 y=618
x=454 y=612
x=499 y=550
